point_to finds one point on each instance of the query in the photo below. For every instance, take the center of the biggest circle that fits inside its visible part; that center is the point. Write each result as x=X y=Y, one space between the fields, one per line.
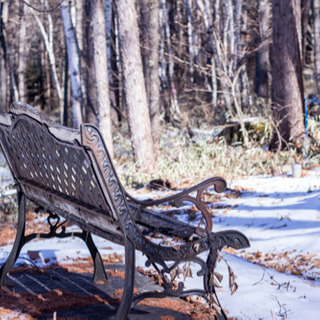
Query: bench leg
x=19 y=241
x=208 y=285
x=99 y=271
x=126 y=300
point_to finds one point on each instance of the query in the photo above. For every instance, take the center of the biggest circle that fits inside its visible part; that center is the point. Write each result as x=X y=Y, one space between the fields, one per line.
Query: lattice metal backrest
x=37 y=156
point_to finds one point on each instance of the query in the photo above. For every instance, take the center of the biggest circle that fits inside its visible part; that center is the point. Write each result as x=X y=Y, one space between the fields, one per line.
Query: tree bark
x=144 y=38
x=14 y=86
x=221 y=54
x=98 y=107
x=134 y=86
x=65 y=91
x=316 y=41
x=150 y=44
x=287 y=86
x=305 y=7
x=175 y=112
x=112 y=63
x=154 y=93
x=191 y=44
x=238 y=42
x=262 y=56
x=242 y=27
x=205 y=9
x=229 y=37
x=79 y=5
x=3 y=56
x=80 y=24
x=74 y=64
x=22 y=62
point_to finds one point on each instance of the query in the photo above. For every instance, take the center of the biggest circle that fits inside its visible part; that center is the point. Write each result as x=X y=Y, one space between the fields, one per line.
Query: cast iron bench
x=68 y=173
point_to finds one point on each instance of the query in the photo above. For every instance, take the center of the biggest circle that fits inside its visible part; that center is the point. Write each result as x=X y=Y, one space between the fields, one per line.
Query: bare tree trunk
x=134 y=86
x=287 y=86
x=217 y=16
x=3 y=56
x=66 y=91
x=243 y=83
x=262 y=56
x=237 y=19
x=7 y=56
x=305 y=7
x=163 y=67
x=144 y=36
x=81 y=39
x=191 y=45
x=214 y=81
x=22 y=62
x=3 y=85
x=46 y=97
x=316 y=40
x=74 y=64
x=111 y=59
x=221 y=55
x=14 y=86
x=211 y=47
x=3 y=82
x=230 y=37
x=246 y=98
x=79 y=4
x=180 y=18
x=108 y=12
x=154 y=94
x=45 y=85
x=216 y=24
x=150 y=36
x=98 y=106
x=174 y=105
x=48 y=41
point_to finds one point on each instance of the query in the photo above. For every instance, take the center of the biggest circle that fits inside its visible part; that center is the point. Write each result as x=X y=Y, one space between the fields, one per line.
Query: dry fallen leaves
x=286 y=262
x=233 y=286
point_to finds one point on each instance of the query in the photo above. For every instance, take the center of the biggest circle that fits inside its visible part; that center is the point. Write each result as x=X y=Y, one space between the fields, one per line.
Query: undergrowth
x=185 y=159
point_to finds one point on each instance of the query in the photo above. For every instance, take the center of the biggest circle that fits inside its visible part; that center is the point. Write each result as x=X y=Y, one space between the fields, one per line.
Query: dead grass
x=184 y=160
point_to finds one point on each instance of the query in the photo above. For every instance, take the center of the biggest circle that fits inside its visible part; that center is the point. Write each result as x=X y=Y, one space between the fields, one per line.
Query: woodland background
x=148 y=64
x=184 y=90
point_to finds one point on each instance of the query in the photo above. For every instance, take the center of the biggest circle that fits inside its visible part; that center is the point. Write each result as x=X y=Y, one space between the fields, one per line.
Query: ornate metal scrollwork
x=170 y=273
x=54 y=224
x=56 y=229
x=91 y=138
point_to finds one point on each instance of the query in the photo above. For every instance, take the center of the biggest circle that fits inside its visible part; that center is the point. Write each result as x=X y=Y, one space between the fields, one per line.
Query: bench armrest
x=178 y=199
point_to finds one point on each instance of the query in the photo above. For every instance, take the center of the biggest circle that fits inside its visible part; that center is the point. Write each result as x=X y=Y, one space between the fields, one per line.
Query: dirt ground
x=27 y=306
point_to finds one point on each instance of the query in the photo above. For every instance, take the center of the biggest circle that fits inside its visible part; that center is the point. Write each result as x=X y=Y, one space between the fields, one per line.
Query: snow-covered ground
x=281 y=217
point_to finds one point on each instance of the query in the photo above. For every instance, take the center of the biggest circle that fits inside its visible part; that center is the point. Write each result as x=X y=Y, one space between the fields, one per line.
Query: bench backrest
x=62 y=167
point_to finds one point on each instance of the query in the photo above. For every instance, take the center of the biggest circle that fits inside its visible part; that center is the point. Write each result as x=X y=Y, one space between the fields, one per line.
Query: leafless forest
x=149 y=63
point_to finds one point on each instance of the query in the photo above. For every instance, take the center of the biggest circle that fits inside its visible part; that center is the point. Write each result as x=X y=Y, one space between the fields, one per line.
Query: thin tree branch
x=40 y=10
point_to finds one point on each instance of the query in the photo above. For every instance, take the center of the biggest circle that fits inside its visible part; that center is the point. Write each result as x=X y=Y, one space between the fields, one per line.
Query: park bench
x=69 y=174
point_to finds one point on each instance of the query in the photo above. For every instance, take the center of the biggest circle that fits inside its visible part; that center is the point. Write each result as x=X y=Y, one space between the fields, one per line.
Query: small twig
x=264 y=272
x=40 y=10
x=270 y=275
x=281 y=313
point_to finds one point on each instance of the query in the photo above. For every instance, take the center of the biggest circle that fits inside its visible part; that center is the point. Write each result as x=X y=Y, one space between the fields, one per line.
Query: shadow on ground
x=58 y=293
